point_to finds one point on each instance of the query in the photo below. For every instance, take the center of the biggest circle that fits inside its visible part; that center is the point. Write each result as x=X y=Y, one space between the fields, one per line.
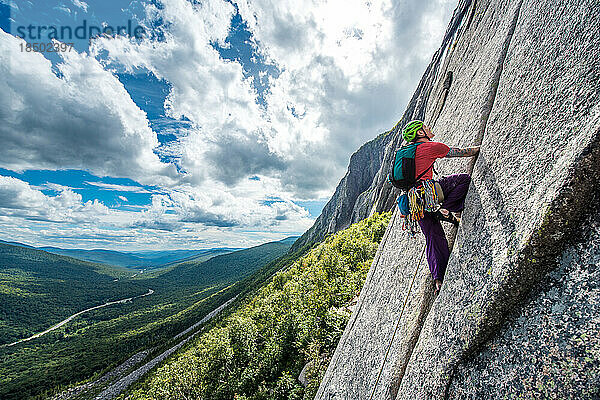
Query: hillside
x=517 y=315
x=295 y=319
x=239 y=264
x=39 y=289
x=102 y=338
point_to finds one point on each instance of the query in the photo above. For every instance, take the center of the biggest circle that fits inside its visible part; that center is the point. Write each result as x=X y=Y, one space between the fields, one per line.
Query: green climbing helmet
x=410 y=130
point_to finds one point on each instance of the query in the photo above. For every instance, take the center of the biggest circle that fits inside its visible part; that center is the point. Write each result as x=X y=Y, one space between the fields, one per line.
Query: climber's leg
x=455 y=188
x=437 y=246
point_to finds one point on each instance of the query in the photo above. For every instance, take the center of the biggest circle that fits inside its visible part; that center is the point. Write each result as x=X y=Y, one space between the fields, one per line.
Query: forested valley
x=39 y=289
x=294 y=321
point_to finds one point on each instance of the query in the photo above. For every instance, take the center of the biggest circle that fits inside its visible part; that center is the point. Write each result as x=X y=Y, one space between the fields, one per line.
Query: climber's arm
x=467 y=152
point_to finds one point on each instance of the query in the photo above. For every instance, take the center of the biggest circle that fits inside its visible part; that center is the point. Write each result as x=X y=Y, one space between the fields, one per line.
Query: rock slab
x=526 y=85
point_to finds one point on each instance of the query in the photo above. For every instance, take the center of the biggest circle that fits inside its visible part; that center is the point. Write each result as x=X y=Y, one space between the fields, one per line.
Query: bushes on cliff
x=258 y=351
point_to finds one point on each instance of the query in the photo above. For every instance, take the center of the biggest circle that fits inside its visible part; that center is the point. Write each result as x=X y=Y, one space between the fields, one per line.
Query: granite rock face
x=549 y=347
x=521 y=78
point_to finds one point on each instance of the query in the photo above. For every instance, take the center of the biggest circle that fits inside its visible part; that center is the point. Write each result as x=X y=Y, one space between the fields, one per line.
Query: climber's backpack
x=402 y=174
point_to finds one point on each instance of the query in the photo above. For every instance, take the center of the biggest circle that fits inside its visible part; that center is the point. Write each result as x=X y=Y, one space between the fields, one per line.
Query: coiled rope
x=424 y=197
x=397 y=324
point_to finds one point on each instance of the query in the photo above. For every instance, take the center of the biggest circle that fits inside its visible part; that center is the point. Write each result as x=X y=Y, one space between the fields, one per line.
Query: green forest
x=39 y=289
x=257 y=350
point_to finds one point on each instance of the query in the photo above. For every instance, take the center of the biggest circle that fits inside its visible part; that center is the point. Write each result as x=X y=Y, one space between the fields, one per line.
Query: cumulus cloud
x=19 y=199
x=348 y=70
x=53 y=186
x=82 y=118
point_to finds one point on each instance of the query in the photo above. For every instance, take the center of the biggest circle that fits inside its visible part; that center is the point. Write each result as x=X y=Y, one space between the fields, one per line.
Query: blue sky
x=226 y=123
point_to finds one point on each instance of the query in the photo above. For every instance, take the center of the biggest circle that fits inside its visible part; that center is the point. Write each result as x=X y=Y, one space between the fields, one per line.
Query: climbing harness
x=421 y=199
x=397 y=325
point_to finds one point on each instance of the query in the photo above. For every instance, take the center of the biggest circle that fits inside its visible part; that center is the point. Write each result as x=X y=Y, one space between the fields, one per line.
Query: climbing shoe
x=447 y=218
x=438 y=287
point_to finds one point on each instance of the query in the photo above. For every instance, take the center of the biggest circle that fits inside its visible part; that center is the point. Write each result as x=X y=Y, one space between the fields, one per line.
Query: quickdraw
x=421 y=199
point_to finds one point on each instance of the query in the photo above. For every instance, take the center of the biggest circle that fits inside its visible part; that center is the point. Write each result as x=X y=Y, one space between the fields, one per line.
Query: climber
x=453 y=192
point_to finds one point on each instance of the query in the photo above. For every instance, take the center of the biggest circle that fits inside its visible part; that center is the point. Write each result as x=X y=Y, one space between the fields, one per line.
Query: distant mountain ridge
x=139 y=259
x=131 y=259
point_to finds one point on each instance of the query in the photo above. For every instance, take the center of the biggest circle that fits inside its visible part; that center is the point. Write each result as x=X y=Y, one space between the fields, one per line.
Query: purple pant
x=455 y=189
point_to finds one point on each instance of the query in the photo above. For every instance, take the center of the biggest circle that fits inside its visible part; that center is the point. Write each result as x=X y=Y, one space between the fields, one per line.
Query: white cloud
x=348 y=70
x=53 y=186
x=82 y=119
x=63 y=8
x=19 y=199
x=123 y=198
x=81 y=4
x=118 y=188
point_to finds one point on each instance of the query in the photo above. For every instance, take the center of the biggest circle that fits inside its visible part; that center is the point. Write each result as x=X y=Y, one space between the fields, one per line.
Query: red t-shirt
x=426 y=155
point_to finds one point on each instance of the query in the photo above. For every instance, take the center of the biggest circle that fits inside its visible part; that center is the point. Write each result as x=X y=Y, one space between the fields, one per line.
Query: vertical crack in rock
x=399 y=368
x=489 y=104
x=487 y=109
x=442 y=100
x=472 y=15
x=450 y=37
x=496 y=81
x=483 y=125
x=576 y=202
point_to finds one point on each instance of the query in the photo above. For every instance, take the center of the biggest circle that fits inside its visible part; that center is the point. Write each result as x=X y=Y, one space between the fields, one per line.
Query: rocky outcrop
x=338 y=212
x=525 y=84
